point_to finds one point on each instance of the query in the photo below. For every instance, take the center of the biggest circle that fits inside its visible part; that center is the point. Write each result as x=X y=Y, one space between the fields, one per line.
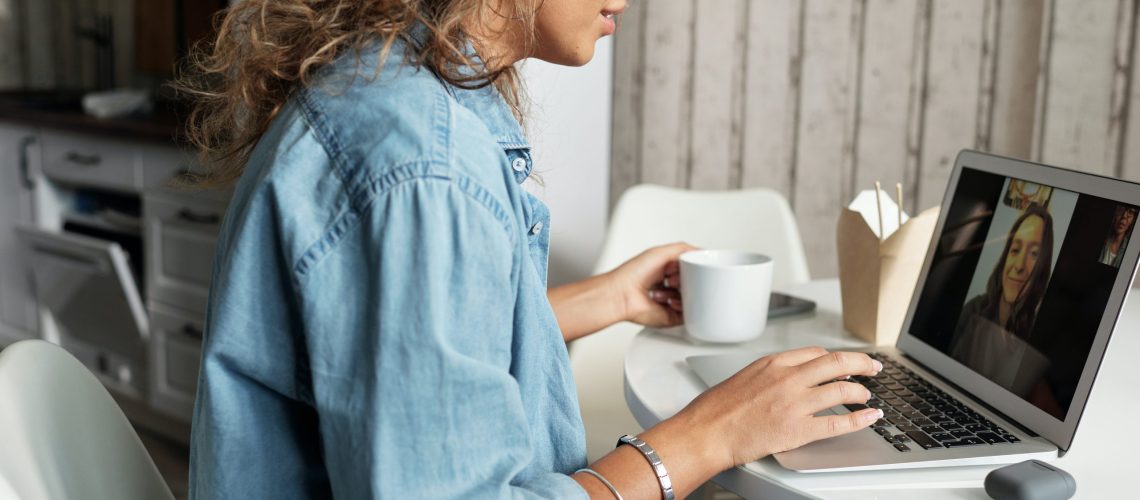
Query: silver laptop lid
x=1026 y=274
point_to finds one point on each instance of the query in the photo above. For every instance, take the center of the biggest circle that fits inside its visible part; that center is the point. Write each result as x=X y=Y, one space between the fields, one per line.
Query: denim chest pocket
x=537 y=233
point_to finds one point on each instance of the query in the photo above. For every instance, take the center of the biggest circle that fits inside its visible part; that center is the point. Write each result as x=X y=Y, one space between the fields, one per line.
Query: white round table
x=658 y=384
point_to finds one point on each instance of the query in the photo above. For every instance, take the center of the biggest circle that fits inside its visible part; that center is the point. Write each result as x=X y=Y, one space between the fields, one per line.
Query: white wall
x=569 y=128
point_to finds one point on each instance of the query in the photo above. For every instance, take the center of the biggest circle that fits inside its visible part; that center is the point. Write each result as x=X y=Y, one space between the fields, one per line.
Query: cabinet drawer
x=160 y=165
x=180 y=238
x=86 y=287
x=91 y=161
x=175 y=355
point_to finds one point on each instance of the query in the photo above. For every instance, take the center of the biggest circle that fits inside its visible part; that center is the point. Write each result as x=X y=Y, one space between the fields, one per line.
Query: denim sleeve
x=410 y=360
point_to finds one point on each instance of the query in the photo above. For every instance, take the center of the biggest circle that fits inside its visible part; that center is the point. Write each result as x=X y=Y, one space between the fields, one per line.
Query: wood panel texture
x=629 y=79
x=824 y=130
x=818 y=99
x=667 y=98
x=952 y=92
x=1078 y=105
x=1130 y=151
x=1016 y=63
x=771 y=90
x=888 y=88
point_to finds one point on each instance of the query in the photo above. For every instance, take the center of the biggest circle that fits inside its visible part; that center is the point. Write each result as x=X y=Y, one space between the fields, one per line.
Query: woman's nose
x=1018 y=263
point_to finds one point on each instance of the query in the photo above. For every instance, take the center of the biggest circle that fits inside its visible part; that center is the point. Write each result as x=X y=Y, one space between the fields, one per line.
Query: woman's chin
x=576 y=60
x=1010 y=299
x=578 y=55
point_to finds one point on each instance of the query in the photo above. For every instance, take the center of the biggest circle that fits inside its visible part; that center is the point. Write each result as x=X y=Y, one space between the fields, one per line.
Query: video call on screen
x=1019 y=283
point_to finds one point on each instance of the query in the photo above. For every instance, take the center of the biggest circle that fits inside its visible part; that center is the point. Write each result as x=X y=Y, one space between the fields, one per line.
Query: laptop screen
x=1019 y=282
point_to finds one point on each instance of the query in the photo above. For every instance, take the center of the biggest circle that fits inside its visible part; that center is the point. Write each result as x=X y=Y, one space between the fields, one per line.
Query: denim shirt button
x=519 y=164
x=537 y=228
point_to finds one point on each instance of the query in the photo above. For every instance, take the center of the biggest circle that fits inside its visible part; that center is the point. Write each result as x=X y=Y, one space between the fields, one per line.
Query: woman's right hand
x=769 y=406
x=766 y=408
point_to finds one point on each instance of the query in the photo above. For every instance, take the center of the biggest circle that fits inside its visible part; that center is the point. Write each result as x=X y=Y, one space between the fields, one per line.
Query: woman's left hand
x=650 y=285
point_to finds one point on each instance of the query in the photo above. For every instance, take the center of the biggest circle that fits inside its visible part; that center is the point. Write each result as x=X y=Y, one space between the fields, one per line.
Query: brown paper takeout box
x=877 y=278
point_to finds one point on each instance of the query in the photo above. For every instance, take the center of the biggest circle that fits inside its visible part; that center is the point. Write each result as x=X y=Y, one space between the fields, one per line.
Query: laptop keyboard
x=916 y=413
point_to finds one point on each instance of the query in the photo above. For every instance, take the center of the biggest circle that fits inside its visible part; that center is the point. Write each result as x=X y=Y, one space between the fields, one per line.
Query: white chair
x=759 y=220
x=62 y=435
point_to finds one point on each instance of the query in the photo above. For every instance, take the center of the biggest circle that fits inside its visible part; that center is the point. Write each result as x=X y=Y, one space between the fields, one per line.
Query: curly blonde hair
x=267 y=49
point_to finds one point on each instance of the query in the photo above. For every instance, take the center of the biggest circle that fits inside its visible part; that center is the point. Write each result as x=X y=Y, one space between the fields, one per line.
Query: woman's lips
x=609 y=18
x=610 y=24
x=1015 y=281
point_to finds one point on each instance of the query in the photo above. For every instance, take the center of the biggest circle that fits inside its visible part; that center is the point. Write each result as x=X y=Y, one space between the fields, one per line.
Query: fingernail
x=869 y=394
x=872 y=415
x=878 y=365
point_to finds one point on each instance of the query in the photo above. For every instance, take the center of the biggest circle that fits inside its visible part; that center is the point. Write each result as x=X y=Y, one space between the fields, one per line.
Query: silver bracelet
x=604 y=481
x=654 y=461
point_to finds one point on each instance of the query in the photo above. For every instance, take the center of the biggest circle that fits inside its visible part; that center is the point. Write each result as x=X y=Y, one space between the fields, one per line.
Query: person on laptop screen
x=995 y=325
x=1117 y=241
x=1019 y=283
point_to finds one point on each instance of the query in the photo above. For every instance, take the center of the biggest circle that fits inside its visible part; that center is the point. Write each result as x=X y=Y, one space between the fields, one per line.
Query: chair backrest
x=758 y=220
x=62 y=434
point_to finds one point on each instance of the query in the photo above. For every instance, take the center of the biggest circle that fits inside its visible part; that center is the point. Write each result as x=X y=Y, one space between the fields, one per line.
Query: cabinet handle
x=191 y=331
x=25 y=168
x=189 y=216
x=82 y=159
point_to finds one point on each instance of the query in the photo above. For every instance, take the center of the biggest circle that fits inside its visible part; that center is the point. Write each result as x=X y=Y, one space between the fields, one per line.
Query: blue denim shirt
x=378 y=323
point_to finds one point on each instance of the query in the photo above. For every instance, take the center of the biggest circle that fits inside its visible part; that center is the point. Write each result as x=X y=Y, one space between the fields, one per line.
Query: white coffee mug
x=725 y=294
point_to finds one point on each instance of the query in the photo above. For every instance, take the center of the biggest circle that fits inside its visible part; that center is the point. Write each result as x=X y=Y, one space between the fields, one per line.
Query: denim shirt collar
x=488 y=104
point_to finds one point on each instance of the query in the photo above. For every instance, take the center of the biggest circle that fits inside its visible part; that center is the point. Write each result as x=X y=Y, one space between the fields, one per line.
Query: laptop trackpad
x=859 y=448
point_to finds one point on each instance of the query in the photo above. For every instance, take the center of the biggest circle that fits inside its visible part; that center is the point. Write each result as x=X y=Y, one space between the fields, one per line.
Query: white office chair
x=63 y=436
x=759 y=220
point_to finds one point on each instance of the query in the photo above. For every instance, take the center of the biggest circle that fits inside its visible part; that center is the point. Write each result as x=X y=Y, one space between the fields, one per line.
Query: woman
x=1117 y=242
x=993 y=328
x=379 y=323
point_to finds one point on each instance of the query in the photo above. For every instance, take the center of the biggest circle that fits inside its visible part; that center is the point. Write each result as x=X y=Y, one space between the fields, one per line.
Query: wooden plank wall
x=819 y=98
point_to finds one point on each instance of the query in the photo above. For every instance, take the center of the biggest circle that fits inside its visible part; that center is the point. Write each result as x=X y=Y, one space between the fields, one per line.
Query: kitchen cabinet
x=181 y=232
x=81 y=160
x=176 y=348
x=103 y=255
x=19 y=157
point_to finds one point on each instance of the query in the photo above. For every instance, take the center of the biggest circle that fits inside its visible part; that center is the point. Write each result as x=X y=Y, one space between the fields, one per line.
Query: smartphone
x=780 y=305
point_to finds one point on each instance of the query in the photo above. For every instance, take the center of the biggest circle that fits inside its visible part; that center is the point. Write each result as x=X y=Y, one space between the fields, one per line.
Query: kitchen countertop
x=62 y=110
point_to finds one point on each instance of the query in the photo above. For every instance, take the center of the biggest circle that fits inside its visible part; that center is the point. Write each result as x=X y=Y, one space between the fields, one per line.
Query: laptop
x=1027 y=271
